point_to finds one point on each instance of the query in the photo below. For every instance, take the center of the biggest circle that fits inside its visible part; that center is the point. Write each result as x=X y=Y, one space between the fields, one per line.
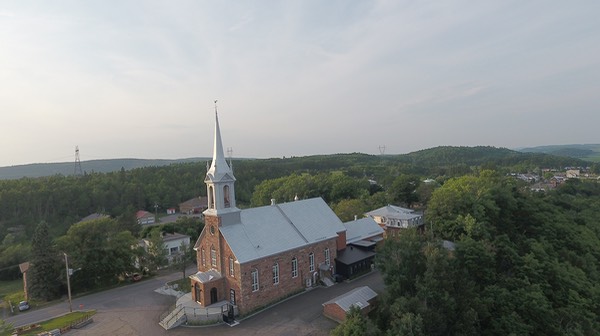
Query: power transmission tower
x=382 y=150
x=77 y=171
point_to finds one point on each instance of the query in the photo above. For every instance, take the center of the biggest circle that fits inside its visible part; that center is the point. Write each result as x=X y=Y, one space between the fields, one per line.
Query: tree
x=185 y=258
x=403 y=190
x=6 y=328
x=44 y=273
x=100 y=249
x=355 y=325
x=156 y=253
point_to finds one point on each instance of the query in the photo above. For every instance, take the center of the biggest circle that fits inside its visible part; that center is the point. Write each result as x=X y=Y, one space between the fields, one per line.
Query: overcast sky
x=137 y=79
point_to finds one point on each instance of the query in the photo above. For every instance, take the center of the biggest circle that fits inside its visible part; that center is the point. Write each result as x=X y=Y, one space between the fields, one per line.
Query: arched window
x=327 y=260
x=213 y=256
x=311 y=262
x=203 y=256
x=211 y=198
x=226 y=199
x=231 y=270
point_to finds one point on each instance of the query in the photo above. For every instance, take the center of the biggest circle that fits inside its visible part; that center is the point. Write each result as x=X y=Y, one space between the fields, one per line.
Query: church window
x=203 y=256
x=311 y=262
x=294 y=267
x=231 y=273
x=327 y=260
x=254 y=280
x=213 y=256
x=276 y=274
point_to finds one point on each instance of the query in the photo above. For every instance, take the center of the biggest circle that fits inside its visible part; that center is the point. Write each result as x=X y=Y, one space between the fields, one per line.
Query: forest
x=512 y=246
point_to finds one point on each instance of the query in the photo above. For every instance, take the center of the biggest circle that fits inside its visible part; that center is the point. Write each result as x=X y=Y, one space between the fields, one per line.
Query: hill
x=588 y=152
x=97 y=166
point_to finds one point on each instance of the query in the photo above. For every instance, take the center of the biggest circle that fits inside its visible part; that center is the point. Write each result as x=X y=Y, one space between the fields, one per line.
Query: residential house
x=254 y=257
x=194 y=206
x=394 y=218
x=93 y=216
x=173 y=242
x=145 y=218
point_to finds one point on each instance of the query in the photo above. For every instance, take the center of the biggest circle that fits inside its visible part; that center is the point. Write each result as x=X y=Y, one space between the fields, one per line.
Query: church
x=258 y=256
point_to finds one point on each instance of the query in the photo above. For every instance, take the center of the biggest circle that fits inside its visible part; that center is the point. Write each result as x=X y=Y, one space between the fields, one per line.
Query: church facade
x=253 y=257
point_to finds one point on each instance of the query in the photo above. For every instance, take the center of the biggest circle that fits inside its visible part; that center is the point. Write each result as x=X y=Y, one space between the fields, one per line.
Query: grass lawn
x=60 y=322
x=10 y=287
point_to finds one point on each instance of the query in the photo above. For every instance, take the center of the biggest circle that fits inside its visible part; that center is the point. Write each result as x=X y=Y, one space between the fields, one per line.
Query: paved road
x=135 y=309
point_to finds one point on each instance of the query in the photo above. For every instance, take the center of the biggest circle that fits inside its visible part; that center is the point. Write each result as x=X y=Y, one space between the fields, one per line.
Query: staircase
x=328 y=282
x=174 y=318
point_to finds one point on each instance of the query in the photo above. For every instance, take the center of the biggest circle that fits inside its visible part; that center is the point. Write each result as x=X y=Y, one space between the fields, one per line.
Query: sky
x=138 y=79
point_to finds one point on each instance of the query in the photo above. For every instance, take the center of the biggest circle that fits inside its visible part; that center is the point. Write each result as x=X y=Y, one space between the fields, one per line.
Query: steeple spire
x=219 y=165
x=220 y=183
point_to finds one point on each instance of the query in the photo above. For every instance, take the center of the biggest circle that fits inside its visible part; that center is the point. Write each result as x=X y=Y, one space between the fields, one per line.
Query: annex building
x=254 y=257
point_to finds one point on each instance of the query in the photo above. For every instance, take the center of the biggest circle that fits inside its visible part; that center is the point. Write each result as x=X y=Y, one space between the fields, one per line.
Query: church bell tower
x=220 y=184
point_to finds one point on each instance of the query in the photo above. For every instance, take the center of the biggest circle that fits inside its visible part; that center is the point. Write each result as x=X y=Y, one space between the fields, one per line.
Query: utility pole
x=68 y=282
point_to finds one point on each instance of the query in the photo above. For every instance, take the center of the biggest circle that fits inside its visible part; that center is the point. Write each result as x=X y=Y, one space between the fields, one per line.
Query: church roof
x=273 y=229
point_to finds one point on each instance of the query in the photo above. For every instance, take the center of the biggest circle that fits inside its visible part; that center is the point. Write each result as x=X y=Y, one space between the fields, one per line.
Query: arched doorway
x=213 y=295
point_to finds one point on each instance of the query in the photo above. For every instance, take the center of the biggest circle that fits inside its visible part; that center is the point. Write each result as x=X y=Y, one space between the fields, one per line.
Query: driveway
x=135 y=310
x=300 y=315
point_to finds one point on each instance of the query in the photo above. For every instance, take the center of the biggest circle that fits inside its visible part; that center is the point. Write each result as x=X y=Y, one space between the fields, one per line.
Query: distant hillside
x=98 y=166
x=588 y=152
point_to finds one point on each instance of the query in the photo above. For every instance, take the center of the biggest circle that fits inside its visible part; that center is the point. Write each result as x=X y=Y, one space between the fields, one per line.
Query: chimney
x=273 y=201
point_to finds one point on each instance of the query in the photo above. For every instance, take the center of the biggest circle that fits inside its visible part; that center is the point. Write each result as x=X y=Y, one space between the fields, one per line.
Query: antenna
x=382 y=150
x=77 y=171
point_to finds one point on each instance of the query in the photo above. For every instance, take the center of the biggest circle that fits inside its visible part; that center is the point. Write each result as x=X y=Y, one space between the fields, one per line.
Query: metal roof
x=273 y=229
x=392 y=211
x=208 y=276
x=351 y=255
x=362 y=229
x=359 y=297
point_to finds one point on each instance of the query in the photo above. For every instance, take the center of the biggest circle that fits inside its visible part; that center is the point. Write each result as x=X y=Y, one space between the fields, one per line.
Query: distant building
x=394 y=218
x=173 y=243
x=93 y=216
x=573 y=173
x=145 y=218
x=194 y=206
x=171 y=211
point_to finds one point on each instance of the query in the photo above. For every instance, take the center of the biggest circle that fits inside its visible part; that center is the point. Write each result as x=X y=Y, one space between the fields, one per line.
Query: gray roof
x=362 y=229
x=273 y=229
x=93 y=216
x=392 y=211
x=359 y=296
x=174 y=236
x=351 y=255
x=208 y=276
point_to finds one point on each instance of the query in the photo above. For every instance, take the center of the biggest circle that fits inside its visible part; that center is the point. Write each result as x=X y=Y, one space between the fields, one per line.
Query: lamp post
x=68 y=282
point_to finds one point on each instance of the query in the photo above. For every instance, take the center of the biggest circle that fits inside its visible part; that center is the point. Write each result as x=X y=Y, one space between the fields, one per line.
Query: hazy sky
x=138 y=78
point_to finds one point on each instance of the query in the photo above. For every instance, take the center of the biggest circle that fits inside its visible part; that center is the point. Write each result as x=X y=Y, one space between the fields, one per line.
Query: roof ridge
x=290 y=221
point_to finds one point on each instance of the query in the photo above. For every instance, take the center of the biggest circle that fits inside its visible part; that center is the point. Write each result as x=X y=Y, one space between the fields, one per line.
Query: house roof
x=362 y=229
x=93 y=217
x=273 y=229
x=143 y=213
x=196 y=202
x=359 y=297
x=392 y=211
x=174 y=236
x=351 y=255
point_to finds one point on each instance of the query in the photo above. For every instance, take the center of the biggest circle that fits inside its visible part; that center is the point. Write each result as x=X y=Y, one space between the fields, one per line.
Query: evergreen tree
x=44 y=274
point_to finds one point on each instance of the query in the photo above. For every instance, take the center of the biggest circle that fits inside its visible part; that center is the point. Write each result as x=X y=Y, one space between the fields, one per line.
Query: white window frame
x=231 y=269
x=276 y=274
x=294 y=267
x=255 y=284
x=327 y=257
x=311 y=262
x=213 y=256
x=203 y=256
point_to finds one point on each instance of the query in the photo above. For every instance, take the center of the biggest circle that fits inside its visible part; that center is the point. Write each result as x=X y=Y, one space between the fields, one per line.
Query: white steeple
x=220 y=183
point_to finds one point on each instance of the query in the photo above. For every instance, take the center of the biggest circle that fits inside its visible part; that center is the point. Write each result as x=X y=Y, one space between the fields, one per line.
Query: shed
x=361 y=297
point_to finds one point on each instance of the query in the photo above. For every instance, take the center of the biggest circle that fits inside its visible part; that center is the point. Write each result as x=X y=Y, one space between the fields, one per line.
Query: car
x=23 y=306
